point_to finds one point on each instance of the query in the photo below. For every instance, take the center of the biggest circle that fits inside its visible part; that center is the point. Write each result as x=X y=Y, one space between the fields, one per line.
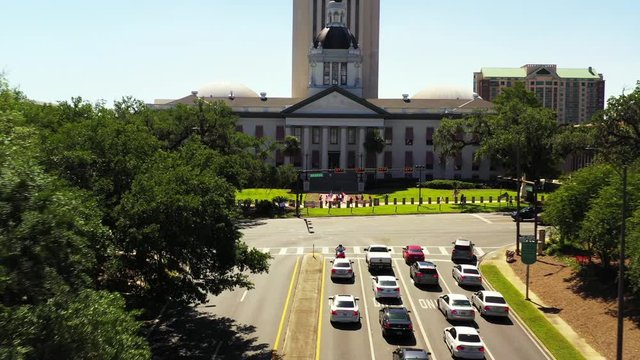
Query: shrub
x=453 y=184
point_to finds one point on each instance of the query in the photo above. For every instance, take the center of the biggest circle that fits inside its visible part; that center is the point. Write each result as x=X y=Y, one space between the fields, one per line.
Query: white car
x=342 y=269
x=456 y=307
x=490 y=303
x=385 y=286
x=465 y=274
x=344 y=308
x=464 y=342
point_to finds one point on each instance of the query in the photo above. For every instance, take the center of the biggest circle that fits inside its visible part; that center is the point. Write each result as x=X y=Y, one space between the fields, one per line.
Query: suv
x=462 y=250
x=424 y=273
x=395 y=320
x=527 y=213
x=410 y=354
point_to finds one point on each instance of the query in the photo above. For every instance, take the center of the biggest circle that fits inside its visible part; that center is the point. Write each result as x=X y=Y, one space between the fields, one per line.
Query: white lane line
x=482 y=218
x=243 y=295
x=356 y=250
x=443 y=250
x=325 y=250
x=479 y=252
x=300 y=251
x=413 y=308
x=366 y=311
x=283 y=251
x=487 y=352
x=443 y=282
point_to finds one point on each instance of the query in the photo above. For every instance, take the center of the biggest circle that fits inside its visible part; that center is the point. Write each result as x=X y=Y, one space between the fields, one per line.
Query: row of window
x=334 y=73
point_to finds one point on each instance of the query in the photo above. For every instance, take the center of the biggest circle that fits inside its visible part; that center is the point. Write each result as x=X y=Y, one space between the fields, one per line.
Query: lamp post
x=519 y=185
x=420 y=168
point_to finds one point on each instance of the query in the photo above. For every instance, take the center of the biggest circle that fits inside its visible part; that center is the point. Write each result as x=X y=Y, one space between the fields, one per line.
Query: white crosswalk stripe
x=425 y=251
x=300 y=251
x=356 y=250
x=325 y=250
x=479 y=252
x=396 y=251
x=443 y=250
x=283 y=251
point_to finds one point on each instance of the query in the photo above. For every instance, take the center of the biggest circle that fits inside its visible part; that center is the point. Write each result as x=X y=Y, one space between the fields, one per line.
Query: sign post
x=529 y=249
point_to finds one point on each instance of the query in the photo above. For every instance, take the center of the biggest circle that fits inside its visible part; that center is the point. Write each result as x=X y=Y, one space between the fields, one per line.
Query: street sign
x=316 y=175
x=529 y=248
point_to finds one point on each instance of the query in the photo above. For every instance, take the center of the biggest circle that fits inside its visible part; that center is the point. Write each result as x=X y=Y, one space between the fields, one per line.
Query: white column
x=287 y=132
x=324 y=151
x=306 y=146
x=343 y=147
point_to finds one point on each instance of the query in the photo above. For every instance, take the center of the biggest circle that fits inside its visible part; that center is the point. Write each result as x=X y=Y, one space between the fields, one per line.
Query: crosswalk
x=396 y=251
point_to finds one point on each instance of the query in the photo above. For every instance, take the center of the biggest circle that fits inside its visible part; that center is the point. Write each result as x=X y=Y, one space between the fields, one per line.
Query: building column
x=306 y=147
x=343 y=147
x=287 y=132
x=324 y=150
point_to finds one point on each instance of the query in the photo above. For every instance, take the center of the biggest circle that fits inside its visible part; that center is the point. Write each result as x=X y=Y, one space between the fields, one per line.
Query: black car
x=410 y=354
x=395 y=320
x=528 y=213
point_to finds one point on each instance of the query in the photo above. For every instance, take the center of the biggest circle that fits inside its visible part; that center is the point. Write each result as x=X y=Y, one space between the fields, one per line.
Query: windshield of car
x=345 y=303
x=399 y=314
x=495 y=300
x=378 y=249
x=342 y=265
x=471 y=338
x=388 y=283
x=462 y=302
x=462 y=247
x=470 y=271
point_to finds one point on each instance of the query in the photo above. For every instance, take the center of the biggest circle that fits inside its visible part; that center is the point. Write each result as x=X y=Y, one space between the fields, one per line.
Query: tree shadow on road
x=187 y=334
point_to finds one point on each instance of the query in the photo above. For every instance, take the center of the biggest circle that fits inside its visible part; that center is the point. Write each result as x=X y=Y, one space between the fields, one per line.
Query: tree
x=176 y=228
x=292 y=147
x=518 y=132
x=373 y=143
x=89 y=325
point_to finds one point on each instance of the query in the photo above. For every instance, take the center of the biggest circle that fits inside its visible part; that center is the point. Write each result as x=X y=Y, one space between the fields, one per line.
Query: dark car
x=410 y=354
x=462 y=250
x=412 y=253
x=528 y=213
x=424 y=273
x=395 y=320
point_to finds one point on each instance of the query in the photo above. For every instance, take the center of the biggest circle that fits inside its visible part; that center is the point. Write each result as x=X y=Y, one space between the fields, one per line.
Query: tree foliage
x=374 y=142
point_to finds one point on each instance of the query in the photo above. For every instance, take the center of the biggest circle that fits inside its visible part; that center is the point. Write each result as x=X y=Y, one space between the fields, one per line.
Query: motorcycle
x=341 y=254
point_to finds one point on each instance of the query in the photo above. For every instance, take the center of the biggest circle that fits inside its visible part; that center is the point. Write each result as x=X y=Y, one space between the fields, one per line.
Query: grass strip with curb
x=552 y=339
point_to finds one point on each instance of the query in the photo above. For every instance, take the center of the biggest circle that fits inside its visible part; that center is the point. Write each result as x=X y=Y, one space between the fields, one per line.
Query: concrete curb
x=498 y=259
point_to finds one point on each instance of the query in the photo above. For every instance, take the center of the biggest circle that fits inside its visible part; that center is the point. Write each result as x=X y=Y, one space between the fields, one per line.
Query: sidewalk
x=498 y=259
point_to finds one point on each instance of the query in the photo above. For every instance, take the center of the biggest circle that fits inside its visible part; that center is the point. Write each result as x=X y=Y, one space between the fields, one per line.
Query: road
x=286 y=240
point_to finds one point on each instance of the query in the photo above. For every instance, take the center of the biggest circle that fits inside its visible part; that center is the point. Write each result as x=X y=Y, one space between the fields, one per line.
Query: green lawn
x=552 y=339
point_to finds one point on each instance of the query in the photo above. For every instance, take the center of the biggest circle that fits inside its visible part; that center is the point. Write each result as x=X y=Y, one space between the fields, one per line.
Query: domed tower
x=360 y=17
x=335 y=57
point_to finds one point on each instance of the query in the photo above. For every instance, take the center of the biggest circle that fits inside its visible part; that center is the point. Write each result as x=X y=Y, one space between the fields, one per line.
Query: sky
x=105 y=50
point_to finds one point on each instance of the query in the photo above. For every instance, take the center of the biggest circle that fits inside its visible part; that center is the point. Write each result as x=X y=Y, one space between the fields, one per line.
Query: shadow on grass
x=187 y=334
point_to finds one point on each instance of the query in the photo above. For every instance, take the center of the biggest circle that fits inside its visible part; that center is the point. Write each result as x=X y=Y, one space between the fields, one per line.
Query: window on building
x=343 y=73
x=428 y=163
x=280 y=133
x=457 y=163
x=475 y=165
x=335 y=73
x=351 y=135
x=297 y=132
x=457 y=176
x=333 y=135
x=408 y=136
x=351 y=159
x=279 y=158
x=315 y=135
x=429 y=136
x=388 y=159
x=259 y=131
x=315 y=159
x=388 y=135
x=326 y=75
x=239 y=128
x=408 y=159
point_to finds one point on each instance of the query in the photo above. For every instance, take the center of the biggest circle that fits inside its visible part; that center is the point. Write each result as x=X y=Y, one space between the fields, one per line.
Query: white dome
x=445 y=92
x=224 y=89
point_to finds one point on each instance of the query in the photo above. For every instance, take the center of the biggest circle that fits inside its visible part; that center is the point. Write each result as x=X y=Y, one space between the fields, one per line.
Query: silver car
x=342 y=269
x=465 y=274
x=462 y=250
x=344 y=308
x=490 y=303
x=424 y=273
x=456 y=307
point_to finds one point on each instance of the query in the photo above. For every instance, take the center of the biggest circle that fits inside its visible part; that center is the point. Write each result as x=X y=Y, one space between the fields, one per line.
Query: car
x=466 y=274
x=462 y=250
x=344 y=308
x=464 y=342
x=385 y=286
x=412 y=253
x=410 y=354
x=342 y=269
x=424 y=273
x=526 y=213
x=456 y=307
x=395 y=320
x=490 y=303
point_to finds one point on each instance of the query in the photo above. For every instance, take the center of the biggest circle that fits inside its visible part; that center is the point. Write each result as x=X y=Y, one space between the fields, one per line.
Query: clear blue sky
x=53 y=50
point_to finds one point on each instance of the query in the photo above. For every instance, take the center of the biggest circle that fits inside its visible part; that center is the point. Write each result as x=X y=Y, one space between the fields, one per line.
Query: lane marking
x=265 y=250
x=286 y=305
x=366 y=311
x=243 y=295
x=443 y=250
x=325 y=250
x=444 y=283
x=356 y=250
x=413 y=309
x=425 y=251
x=300 y=251
x=319 y=337
x=282 y=251
x=480 y=252
x=482 y=218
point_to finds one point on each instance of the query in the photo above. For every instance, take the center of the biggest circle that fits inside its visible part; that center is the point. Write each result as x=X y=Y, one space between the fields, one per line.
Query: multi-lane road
x=287 y=240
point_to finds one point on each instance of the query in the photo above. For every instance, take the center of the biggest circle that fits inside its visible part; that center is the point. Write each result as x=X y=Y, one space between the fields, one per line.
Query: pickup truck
x=378 y=257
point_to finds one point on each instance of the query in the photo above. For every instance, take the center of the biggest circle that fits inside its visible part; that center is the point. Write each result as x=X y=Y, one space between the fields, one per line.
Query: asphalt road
x=261 y=309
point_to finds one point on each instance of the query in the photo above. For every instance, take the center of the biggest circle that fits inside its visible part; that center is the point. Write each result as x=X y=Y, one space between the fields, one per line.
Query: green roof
x=578 y=73
x=504 y=72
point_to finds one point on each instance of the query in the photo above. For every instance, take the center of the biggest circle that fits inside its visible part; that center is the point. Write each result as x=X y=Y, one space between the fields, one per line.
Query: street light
x=420 y=168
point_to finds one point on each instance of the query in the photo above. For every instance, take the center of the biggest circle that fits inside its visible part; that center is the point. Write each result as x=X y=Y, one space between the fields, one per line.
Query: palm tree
x=292 y=147
x=374 y=143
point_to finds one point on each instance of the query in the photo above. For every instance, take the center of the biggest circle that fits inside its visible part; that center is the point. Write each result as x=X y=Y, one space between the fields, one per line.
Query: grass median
x=552 y=339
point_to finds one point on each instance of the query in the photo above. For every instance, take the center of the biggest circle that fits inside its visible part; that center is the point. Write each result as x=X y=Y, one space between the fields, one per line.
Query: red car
x=412 y=253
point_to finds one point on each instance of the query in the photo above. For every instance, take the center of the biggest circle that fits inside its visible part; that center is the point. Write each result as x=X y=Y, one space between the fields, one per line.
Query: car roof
x=386 y=277
x=415 y=352
x=425 y=264
x=491 y=293
x=468 y=266
x=457 y=296
x=342 y=260
x=466 y=330
x=463 y=242
x=344 y=297
x=398 y=309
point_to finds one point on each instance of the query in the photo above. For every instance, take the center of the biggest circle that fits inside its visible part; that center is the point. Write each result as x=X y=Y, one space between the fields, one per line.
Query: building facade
x=574 y=94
